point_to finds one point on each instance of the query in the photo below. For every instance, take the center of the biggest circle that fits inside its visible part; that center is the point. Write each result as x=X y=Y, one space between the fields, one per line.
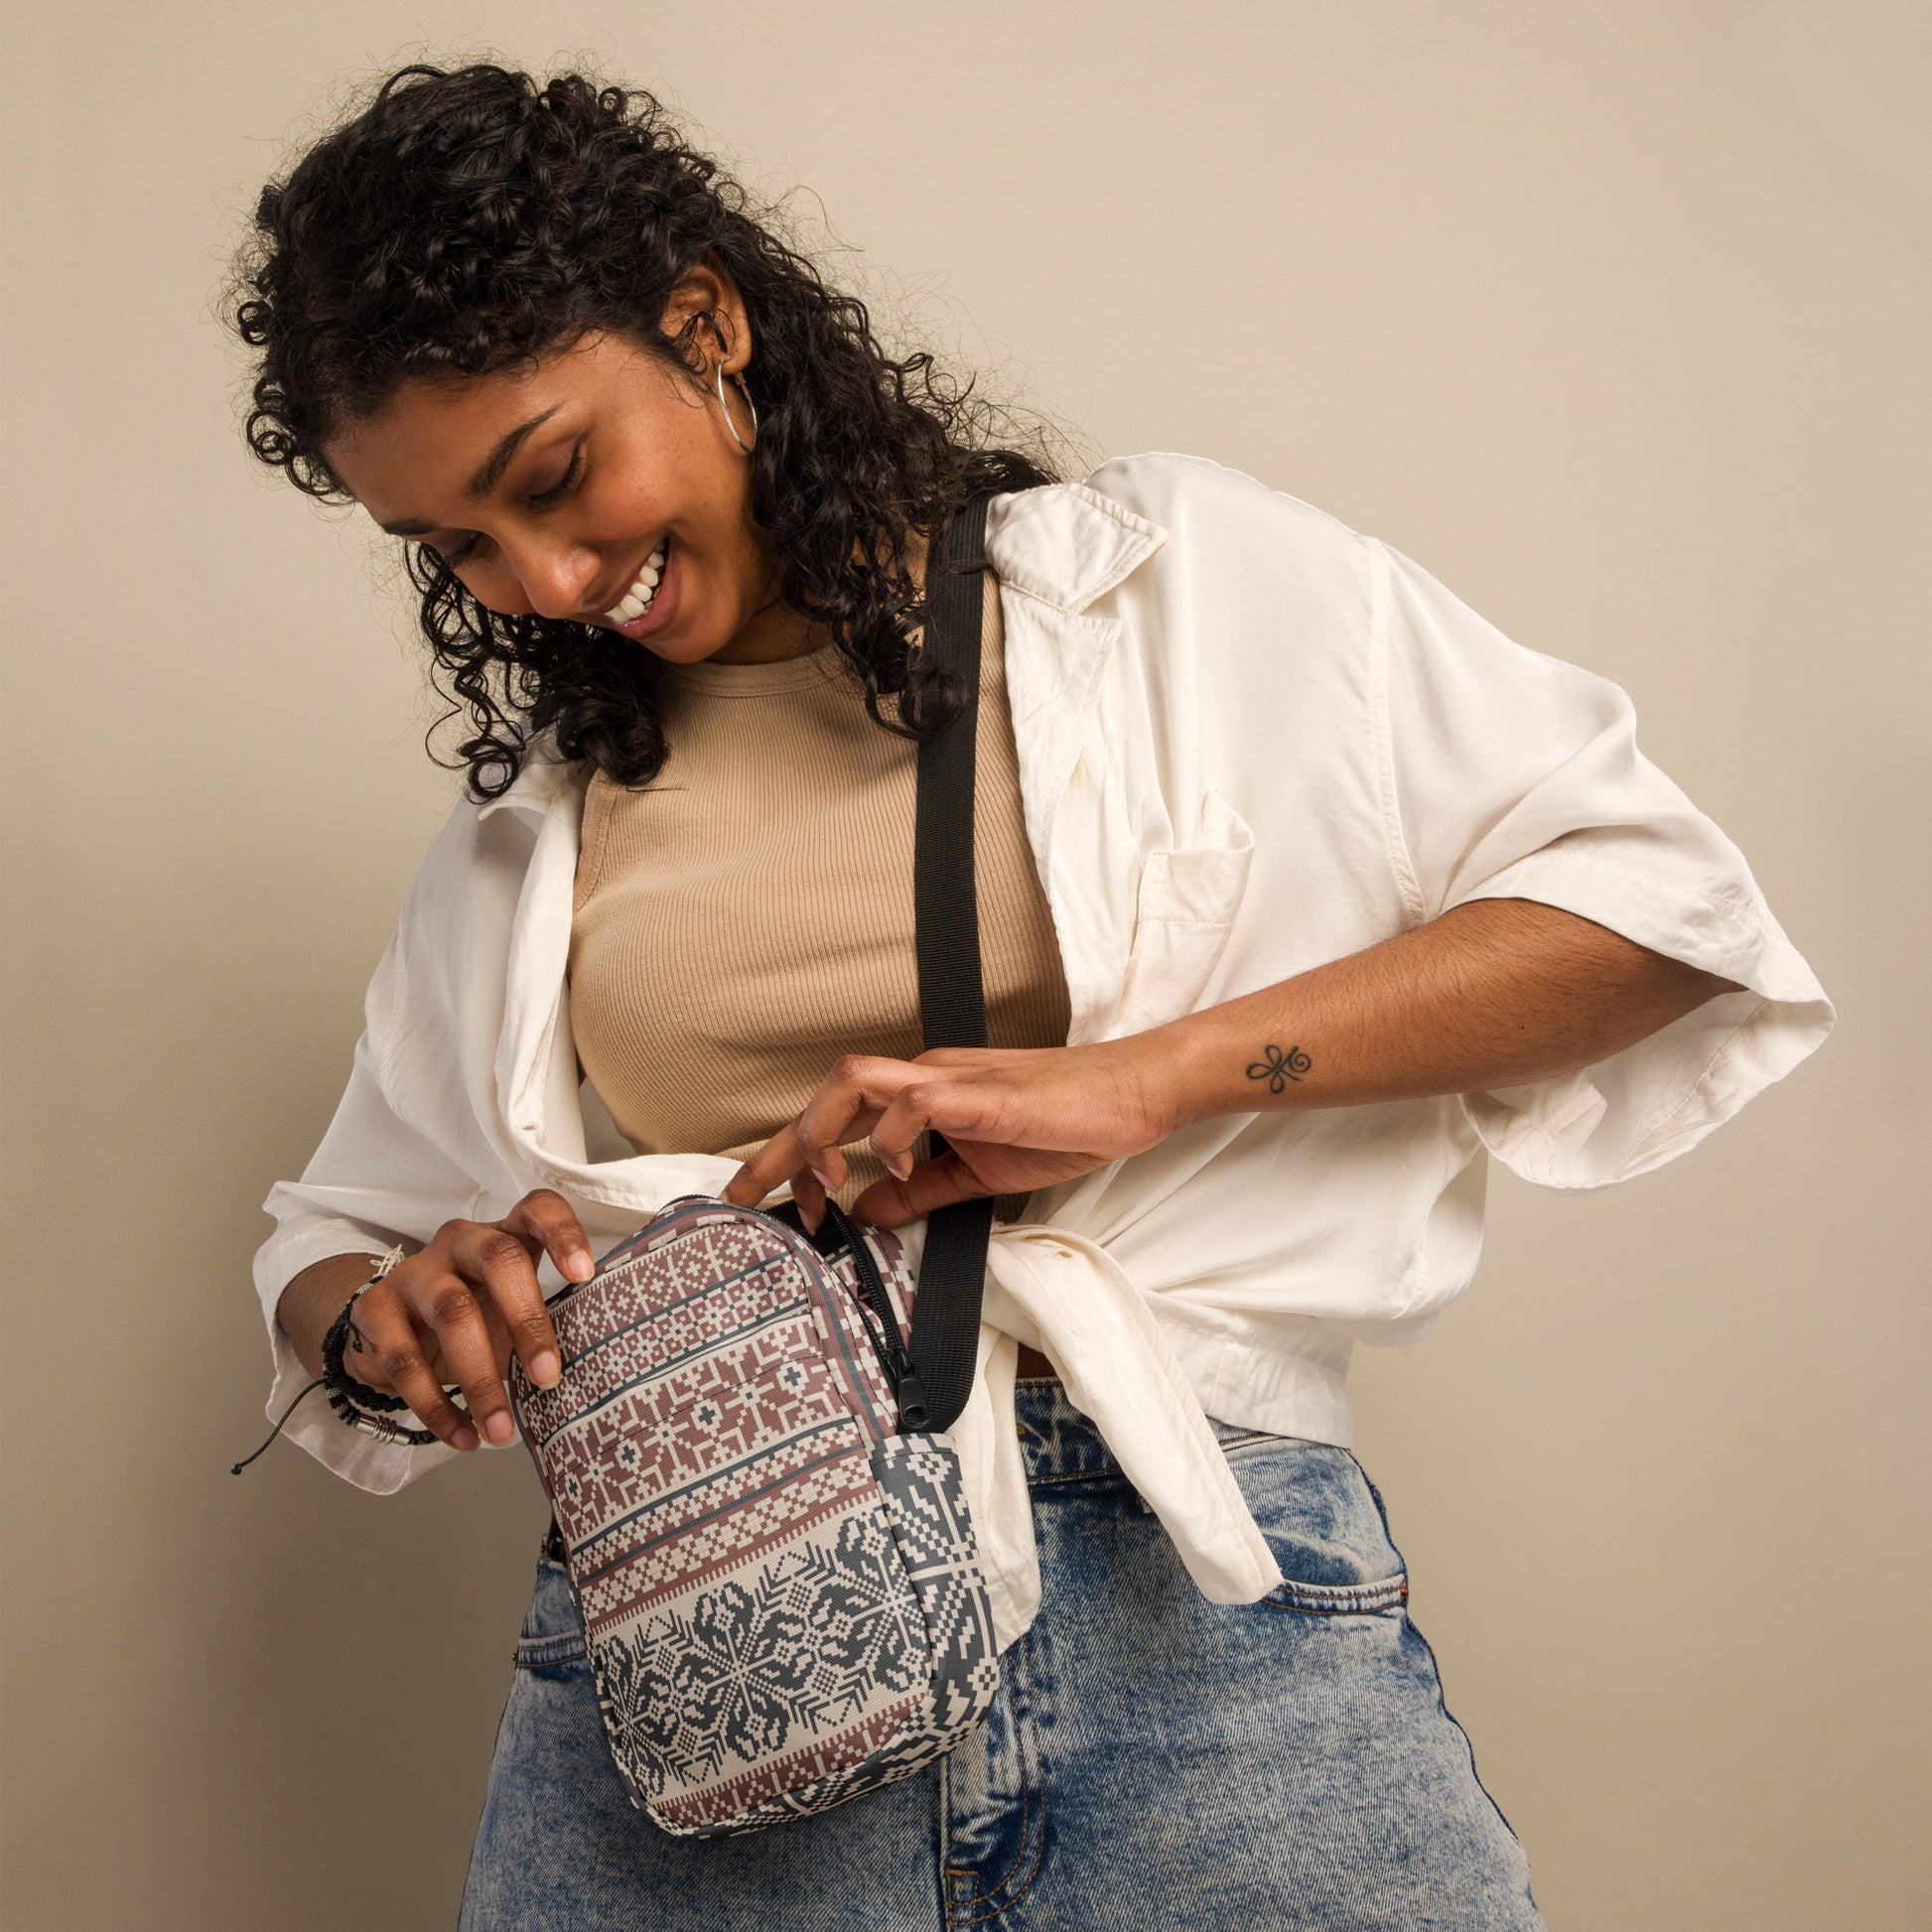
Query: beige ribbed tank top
x=746 y=917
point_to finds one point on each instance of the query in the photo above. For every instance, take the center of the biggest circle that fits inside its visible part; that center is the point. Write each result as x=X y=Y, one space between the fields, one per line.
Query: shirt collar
x=1067 y=544
x=541 y=779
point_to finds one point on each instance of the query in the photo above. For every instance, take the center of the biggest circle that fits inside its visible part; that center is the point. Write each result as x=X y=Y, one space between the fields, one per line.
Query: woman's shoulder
x=1170 y=487
x=1224 y=534
x=1196 y=527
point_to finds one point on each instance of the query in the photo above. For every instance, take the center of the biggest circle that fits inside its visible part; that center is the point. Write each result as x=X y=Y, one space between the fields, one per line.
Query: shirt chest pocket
x=1184 y=907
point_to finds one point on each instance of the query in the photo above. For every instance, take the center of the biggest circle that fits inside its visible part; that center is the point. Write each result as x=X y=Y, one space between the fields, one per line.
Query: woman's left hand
x=1013 y=1118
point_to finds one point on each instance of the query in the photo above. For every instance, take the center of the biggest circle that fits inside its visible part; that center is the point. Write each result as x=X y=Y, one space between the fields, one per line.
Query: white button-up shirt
x=1250 y=740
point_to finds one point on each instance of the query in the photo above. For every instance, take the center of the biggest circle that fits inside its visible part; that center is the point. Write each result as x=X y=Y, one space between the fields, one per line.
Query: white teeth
x=637 y=599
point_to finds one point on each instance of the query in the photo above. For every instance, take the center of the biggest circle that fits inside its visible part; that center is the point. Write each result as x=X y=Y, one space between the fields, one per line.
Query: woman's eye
x=541 y=499
x=544 y=499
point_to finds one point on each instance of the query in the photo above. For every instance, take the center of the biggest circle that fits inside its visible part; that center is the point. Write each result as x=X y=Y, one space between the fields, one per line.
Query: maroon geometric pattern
x=637 y=1460
x=782 y=1595
x=733 y=1298
x=800 y=1486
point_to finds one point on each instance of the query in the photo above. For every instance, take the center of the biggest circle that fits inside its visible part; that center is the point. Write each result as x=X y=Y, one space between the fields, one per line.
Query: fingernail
x=825 y=1180
x=580 y=1266
x=464 y=1438
x=499 y=1427
x=900 y=1164
x=545 y=1369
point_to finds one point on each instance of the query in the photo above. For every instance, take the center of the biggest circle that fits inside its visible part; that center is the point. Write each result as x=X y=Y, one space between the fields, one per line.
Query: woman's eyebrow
x=489 y=475
x=498 y=460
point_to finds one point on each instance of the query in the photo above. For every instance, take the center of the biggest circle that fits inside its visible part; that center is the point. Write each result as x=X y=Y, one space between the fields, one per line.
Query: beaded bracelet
x=350 y=1398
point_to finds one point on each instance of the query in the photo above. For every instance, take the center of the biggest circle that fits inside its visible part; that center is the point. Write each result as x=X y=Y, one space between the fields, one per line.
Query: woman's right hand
x=454 y=1312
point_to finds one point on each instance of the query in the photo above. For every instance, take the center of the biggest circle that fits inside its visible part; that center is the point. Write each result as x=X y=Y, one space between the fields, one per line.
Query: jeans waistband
x=1058 y=1442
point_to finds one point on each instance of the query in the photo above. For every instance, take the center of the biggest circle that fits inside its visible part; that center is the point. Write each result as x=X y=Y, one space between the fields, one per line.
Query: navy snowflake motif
x=810 y=1641
x=639 y=1705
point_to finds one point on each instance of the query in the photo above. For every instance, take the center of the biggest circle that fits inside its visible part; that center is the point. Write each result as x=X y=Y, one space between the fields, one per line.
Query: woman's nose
x=557 y=577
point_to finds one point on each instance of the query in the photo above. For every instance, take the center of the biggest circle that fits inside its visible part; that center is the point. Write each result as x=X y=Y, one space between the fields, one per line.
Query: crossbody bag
x=760 y=1511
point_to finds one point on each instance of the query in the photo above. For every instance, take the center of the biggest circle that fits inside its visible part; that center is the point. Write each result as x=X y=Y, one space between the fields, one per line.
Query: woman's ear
x=706 y=311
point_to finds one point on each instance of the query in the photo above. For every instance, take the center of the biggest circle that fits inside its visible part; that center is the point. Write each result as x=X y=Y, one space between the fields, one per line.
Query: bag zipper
x=908 y=1392
x=902 y=1373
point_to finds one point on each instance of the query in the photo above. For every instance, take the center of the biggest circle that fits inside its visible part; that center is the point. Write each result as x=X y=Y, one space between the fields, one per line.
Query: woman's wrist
x=314 y=1299
x=1221 y=1060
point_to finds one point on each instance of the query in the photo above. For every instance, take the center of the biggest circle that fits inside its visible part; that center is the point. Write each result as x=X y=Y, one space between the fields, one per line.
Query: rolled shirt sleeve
x=1514 y=775
x=374 y=1182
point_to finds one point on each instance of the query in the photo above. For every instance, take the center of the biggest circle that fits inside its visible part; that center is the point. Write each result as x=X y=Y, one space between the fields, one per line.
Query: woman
x=1300 y=887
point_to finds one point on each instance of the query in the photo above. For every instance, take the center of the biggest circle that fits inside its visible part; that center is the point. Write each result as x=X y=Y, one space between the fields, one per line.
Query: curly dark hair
x=463 y=221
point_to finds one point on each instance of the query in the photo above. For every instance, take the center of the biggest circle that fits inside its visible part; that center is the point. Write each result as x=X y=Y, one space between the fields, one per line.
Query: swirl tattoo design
x=1279 y=1066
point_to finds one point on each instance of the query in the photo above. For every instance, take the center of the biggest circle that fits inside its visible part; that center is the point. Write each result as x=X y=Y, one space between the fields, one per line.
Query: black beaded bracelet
x=344 y=1392
x=354 y=1401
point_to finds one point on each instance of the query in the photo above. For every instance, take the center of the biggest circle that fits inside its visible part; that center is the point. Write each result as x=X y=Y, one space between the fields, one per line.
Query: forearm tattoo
x=1278 y=1066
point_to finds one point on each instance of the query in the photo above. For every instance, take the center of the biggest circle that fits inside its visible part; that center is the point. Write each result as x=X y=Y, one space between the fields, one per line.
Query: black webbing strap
x=953 y=999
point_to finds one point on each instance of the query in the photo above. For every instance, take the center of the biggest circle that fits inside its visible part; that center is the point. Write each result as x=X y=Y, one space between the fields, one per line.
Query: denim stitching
x=1008 y=1669
x=537 y=1653
x=980 y=1894
x=1260 y=1438
x=1441 y=1698
x=1337 y=1600
x=1026 y=1789
x=1246 y=1439
x=1441 y=1705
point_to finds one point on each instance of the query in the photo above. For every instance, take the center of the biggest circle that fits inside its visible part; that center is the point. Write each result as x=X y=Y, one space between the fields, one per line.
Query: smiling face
x=602 y=486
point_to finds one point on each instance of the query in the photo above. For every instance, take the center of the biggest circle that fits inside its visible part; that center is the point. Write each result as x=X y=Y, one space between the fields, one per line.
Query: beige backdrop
x=1614 y=316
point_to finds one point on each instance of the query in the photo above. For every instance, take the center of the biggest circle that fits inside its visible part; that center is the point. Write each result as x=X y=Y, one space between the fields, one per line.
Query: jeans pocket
x=1322 y=1520
x=553 y=1628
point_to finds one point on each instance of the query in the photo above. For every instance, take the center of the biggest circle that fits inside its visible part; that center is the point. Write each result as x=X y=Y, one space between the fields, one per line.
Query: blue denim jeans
x=1152 y=1759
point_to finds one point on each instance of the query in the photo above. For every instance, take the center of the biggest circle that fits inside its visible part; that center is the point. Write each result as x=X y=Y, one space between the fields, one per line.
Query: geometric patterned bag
x=782 y=1595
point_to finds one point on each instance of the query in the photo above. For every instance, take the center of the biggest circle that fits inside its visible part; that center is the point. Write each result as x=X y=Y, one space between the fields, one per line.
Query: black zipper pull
x=907 y=1388
x=910 y=1394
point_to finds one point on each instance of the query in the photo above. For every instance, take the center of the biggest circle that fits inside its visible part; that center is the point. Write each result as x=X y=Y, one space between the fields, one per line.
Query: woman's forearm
x=1494 y=993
